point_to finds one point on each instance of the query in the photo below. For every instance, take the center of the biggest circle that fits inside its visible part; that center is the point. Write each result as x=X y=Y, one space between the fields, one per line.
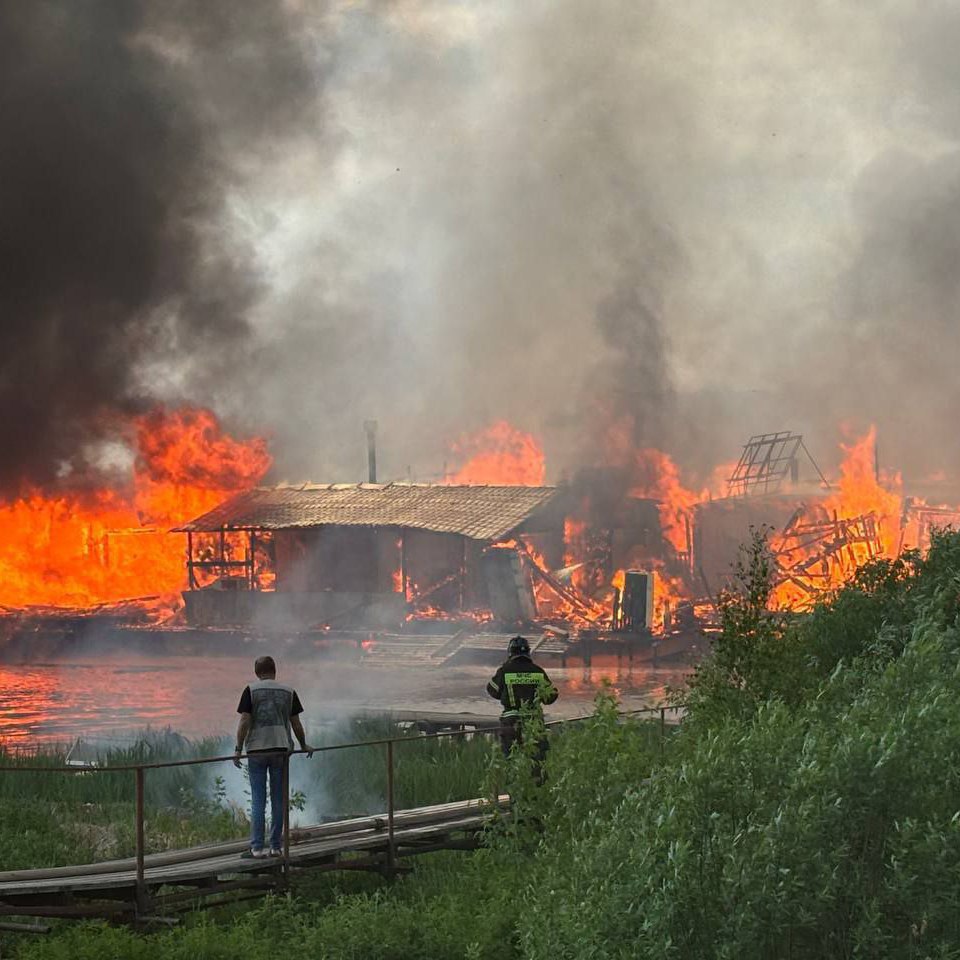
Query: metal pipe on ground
x=339 y=829
x=141 y=885
x=391 y=846
x=25 y=927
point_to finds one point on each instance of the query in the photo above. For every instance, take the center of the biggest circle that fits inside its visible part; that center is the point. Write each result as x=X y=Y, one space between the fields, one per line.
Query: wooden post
x=141 y=884
x=391 y=850
x=286 y=818
x=663 y=728
x=191 y=576
x=403 y=561
x=463 y=573
x=252 y=535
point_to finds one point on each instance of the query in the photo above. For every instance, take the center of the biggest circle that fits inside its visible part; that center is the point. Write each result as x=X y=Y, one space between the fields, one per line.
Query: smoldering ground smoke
x=714 y=219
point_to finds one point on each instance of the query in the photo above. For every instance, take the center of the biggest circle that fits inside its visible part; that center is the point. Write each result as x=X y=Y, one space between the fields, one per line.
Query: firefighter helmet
x=518 y=647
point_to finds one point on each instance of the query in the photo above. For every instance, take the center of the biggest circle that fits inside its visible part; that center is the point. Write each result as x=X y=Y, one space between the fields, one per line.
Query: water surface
x=111 y=696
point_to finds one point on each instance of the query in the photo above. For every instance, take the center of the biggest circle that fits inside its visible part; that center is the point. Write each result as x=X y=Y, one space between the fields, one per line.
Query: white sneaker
x=255 y=854
x=275 y=853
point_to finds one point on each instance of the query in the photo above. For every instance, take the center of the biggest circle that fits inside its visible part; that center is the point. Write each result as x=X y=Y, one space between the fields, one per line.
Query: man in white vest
x=268 y=711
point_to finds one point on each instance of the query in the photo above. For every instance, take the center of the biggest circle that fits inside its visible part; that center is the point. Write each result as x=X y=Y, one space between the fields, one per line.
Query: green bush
x=827 y=831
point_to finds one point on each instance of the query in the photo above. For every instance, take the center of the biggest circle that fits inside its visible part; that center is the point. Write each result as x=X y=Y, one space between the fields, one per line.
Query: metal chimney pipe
x=370 y=426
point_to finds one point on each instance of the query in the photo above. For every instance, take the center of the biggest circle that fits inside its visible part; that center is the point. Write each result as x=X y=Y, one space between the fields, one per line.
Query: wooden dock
x=553 y=646
x=218 y=873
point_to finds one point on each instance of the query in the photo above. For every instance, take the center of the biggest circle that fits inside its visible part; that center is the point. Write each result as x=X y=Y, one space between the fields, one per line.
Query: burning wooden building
x=370 y=555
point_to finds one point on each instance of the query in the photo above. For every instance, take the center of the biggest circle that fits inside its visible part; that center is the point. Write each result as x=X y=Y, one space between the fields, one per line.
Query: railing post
x=141 y=884
x=286 y=817
x=391 y=849
x=663 y=728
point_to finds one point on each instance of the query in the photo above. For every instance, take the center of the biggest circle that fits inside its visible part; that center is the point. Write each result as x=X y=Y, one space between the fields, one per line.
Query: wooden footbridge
x=168 y=883
x=155 y=887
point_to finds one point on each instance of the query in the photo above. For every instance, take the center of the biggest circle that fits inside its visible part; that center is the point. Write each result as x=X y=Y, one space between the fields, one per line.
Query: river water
x=115 y=696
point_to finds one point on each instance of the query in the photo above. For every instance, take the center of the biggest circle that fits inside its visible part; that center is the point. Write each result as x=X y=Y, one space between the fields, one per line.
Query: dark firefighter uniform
x=518 y=683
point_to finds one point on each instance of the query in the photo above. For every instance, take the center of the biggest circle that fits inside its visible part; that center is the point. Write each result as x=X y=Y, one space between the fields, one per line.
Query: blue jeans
x=258 y=767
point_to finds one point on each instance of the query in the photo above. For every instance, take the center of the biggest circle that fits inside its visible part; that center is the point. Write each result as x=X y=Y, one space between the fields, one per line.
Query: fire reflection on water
x=54 y=703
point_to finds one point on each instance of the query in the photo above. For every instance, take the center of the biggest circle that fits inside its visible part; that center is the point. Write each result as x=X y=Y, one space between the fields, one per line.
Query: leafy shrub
x=805 y=834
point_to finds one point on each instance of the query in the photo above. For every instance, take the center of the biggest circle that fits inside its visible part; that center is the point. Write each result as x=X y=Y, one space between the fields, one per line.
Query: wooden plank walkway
x=218 y=873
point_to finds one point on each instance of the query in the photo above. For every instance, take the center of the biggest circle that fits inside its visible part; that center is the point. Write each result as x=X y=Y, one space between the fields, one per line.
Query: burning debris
x=90 y=546
x=768 y=461
x=814 y=557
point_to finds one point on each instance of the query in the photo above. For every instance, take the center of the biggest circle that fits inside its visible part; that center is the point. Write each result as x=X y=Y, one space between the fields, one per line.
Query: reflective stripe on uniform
x=520 y=680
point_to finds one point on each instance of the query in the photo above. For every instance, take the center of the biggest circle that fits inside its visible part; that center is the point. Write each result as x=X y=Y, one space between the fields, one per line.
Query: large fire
x=103 y=545
x=499 y=454
x=860 y=490
x=98 y=546
x=657 y=477
x=830 y=535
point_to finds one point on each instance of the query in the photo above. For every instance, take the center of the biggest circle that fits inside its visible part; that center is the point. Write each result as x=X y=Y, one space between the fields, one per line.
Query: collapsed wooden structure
x=815 y=555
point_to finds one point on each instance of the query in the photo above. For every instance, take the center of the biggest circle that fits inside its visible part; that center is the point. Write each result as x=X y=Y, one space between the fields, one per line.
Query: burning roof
x=478 y=512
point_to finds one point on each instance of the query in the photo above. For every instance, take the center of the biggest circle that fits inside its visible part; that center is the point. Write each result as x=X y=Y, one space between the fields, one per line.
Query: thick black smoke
x=114 y=169
x=632 y=386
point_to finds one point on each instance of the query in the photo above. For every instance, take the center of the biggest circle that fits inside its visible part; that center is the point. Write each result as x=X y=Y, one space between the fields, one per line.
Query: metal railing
x=139 y=771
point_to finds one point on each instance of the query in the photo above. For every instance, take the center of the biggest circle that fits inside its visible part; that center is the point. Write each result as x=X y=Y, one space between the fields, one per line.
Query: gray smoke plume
x=546 y=210
x=713 y=219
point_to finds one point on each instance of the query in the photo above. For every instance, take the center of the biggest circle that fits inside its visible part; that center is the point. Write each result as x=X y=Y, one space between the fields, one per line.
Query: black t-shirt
x=246 y=703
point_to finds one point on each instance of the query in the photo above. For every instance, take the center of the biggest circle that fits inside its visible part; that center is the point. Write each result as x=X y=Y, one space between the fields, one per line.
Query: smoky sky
x=709 y=218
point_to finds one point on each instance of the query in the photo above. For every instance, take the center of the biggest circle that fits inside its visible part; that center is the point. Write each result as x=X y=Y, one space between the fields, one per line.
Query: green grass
x=426 y=770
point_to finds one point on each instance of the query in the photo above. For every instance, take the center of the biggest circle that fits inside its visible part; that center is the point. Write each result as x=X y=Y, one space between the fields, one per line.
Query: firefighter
x=520 y=683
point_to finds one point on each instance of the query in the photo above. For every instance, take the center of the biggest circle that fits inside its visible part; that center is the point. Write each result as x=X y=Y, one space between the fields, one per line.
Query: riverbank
x=794 y=813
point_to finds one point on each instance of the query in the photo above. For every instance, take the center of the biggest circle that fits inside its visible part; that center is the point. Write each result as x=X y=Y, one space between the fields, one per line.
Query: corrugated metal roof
x=479 y=512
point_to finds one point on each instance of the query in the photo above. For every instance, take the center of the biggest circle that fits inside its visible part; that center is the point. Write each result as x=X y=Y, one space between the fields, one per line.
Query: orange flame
x=859 y=493
x=658 y=478
x=574 y=533
x=860 y=490
x=499 y=454
x=82 y=549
